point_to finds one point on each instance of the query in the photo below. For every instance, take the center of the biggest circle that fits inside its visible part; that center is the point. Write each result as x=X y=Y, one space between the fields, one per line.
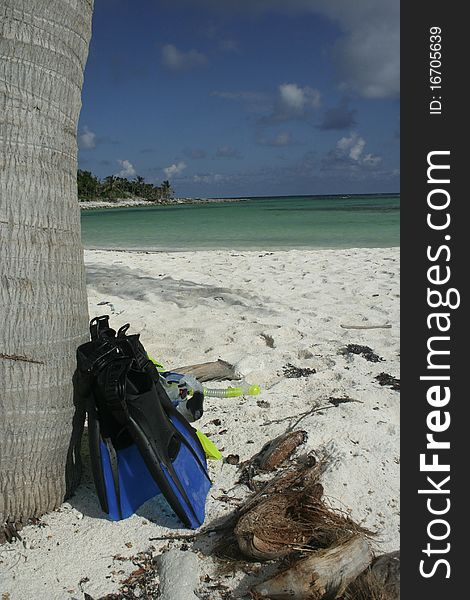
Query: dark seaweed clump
x=337 y=401
x=364 y=351
x=292 y=372
x=386 y=379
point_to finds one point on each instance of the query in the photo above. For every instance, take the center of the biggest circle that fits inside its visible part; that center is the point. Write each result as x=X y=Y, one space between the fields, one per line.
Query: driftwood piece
x=384 y=326
x=303 y=474
x=218 y=370
x=278 y=450
x=271 y=456
x=327 y=572
x=302 y=416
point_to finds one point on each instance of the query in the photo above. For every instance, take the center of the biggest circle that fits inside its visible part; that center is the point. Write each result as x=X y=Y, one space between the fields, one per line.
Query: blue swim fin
x=140 y=445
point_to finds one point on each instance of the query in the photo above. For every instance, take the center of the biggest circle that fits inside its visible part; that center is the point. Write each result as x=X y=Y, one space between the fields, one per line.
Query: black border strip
x=424 y=131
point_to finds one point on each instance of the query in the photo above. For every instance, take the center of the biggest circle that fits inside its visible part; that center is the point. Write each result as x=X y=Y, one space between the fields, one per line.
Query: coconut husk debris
x=290 y=514
x=320 y=551
x=380 y=581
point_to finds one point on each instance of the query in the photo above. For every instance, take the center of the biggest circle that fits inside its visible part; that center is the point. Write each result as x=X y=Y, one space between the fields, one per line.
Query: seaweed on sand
x=364 y=351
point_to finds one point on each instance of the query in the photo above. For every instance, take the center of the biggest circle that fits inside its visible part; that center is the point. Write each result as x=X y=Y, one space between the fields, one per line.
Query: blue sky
x=244 y=97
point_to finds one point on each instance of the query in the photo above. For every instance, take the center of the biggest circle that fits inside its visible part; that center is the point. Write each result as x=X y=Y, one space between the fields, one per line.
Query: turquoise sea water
x=256 y=223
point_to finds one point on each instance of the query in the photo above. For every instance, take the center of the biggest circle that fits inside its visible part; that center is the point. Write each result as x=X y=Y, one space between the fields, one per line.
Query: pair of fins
x=140 y=445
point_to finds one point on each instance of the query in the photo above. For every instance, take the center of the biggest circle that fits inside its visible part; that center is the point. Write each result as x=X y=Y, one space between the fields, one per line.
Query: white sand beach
x=119 y=203
x=133 y=202
x=258 y=311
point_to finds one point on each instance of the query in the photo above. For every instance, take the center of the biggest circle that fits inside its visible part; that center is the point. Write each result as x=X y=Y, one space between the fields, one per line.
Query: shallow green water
x=257 y=223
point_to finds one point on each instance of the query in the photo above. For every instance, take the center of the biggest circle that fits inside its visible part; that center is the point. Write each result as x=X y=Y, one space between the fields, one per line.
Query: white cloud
x=368 y=53
x=369 y=62
x=127 y=169
x=177 y=60
x=351 y=146
x=288 y=102
x=208 y=178
x=297 y=99
x=292 y=96
x=371 y=160
x=87 y=139
x=292 y=102
x=349 y=154
x=175 y=169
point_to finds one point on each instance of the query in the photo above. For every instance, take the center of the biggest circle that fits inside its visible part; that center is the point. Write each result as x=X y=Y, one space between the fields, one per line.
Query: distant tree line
x=113 y=187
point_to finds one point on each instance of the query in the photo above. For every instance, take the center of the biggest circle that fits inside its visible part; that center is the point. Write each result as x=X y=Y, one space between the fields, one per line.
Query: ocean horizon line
x=342 y=195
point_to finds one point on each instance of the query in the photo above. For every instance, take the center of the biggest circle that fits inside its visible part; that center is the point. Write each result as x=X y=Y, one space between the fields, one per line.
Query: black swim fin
x=140 y=445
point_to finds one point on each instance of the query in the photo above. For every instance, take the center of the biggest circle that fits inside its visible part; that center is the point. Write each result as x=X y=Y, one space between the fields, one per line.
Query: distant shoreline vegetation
x=119 y=192
x=113 y=187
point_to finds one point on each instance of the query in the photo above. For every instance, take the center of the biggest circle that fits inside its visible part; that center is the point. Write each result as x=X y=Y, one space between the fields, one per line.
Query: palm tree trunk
x=43 y=308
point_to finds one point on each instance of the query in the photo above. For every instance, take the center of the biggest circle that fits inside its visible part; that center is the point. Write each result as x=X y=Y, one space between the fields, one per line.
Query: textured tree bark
x=43 y=51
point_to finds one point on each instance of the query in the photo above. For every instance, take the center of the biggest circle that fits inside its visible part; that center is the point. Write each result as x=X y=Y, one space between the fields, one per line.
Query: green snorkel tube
x=210 y=449
x=245 y=389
